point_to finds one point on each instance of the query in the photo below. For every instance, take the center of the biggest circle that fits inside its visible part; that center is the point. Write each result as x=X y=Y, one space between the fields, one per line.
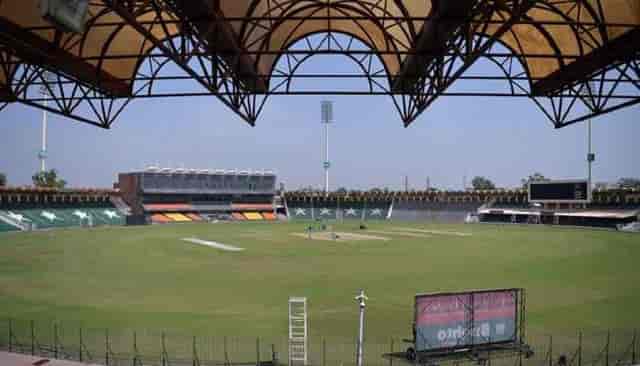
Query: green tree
x=535 y=177
x=3 y=179
x=629 y=183
x=48 y=179
x=483 y=183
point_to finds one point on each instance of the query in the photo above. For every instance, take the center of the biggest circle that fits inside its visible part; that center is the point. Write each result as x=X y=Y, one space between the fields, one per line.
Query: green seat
x=4 y=227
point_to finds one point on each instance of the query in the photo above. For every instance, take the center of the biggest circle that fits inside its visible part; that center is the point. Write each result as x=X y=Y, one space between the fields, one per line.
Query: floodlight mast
x=42 y=155
x=591 y=157
x=326 y=112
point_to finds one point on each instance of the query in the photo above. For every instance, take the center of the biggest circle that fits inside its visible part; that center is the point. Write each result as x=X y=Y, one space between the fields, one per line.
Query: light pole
x=42 y=155
x=326 y=115
x=361 y=302
x=591 y=157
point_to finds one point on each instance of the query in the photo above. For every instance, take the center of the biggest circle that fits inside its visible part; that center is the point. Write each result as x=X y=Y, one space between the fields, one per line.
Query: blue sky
x=502 y=139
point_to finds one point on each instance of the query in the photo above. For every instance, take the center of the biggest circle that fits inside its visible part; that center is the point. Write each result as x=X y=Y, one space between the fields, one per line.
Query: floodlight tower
x=326 y=115
x=42 y=154
x=591 y=156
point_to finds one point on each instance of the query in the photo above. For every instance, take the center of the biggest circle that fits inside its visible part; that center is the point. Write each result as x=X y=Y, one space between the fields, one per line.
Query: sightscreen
x=461 y=320
x=559 y=191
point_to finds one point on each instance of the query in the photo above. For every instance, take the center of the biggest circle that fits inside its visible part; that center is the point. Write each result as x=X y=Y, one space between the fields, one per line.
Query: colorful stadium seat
x=253 y=216
x=194 y=217
x=177 y=217
x=268 y=216
x=160 y=219
x=238 y=216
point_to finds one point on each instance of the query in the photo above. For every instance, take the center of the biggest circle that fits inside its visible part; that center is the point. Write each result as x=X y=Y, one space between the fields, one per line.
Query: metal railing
x=125 y=347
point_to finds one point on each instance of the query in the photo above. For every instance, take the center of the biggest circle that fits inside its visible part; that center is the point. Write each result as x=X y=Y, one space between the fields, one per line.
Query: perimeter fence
x=111 y=347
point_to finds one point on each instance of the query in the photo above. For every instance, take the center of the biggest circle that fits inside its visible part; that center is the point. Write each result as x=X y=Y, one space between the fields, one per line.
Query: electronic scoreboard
x=560 y=191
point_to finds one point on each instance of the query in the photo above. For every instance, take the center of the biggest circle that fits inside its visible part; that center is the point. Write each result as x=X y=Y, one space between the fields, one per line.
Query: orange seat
x=268 y=216
x=177 y=217
x=160 y=219
x=194 y=217
x=253 y=216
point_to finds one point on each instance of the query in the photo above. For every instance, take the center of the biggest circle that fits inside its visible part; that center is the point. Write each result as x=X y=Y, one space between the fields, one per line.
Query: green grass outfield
x=147 y=278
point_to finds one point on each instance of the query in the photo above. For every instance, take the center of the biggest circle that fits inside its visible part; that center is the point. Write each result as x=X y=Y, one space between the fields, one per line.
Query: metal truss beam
x=197 y=37
x=34 y=86
x=446 y=17
x=220 y=38
x=595 y=96
x=35 y=50
x=622 y=48
x=217 y=76
x=465 y=49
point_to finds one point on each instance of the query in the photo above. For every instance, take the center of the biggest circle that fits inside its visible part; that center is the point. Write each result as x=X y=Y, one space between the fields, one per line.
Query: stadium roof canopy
x=574 y=58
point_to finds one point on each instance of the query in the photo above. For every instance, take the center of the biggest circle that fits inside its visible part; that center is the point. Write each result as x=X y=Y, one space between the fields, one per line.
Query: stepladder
x=298 y=331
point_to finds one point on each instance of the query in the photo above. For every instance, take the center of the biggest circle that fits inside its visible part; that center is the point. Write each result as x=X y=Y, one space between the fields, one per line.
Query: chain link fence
x=144 y=347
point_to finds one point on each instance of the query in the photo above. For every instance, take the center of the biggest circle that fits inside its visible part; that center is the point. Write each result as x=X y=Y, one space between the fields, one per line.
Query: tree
x=535 y=177
x=629 y=183
x=3 y=179
x=341 y=190
x=482 y=183
x=48 y=179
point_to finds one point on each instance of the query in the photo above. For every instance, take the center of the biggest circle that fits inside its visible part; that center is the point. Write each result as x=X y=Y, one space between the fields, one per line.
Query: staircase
x=121 y=205
x=298 y=331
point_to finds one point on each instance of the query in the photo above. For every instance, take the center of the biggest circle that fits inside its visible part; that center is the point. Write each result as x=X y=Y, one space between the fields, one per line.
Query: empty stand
x=300 y=210
x=269 y=216
x=46 y=218
x=447 y=212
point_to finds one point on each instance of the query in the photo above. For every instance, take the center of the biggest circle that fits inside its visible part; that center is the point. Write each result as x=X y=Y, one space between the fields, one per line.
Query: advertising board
x=461 y=320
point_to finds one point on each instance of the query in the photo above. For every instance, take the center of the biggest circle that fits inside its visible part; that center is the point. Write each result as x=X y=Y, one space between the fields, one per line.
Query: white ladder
x=298 y=331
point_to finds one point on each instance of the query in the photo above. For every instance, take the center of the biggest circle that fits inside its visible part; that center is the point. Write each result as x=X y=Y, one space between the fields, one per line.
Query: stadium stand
x=251 y=206
x=219 y=195
x=300 y=210
x=43 y=208
x=269 y=216
x=325 y=213
x=168 y=207
x=446 y=212
x=608 y=208
x=352 y=211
